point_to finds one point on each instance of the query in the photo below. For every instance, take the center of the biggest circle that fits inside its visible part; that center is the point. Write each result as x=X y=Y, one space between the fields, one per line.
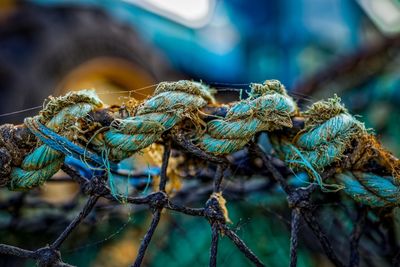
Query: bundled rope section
x=78 y=125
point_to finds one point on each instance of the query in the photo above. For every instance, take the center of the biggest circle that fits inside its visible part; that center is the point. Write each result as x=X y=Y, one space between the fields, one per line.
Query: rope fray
x=329 y=135
x=332 y=136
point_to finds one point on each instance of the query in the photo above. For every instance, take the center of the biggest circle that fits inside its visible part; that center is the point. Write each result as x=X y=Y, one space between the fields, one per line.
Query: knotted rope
x=268 y=108
x=171 y=103
x=330 y=133
x=15 y=143
x=327 y=133
x=60 y=115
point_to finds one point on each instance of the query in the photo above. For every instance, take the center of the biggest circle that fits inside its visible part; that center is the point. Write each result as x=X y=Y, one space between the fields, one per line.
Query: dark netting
x=307 y=214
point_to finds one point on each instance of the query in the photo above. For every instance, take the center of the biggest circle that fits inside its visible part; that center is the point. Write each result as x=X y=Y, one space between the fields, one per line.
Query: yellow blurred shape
x=112 y=78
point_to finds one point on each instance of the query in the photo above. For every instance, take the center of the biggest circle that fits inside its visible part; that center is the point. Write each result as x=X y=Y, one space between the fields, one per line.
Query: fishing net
x=263 y=180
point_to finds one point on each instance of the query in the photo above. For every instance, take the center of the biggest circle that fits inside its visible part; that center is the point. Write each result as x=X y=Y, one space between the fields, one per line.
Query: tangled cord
x=329 y=134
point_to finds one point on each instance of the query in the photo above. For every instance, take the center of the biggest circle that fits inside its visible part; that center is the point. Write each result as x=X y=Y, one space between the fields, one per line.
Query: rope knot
x=171 y=103
x=158 y=200
x=59 y=115
x=62 y=112
x=328 y=132
x=267 y=109
x=299 y=199
x=48 y=256
x=322 y=111
x=216 y=210
x=95 y=186
x=268 y=87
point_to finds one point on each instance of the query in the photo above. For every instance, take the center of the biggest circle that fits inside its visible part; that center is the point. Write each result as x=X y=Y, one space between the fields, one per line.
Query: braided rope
x=170 y=104
x=329 y=132
x=370 y=189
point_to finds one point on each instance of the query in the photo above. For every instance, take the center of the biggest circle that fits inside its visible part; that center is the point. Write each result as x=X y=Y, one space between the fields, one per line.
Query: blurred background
x=314 y=47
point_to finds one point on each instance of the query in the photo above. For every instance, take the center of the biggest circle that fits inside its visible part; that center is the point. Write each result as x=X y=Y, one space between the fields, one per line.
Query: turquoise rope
x=322 y=142
x=370 y=189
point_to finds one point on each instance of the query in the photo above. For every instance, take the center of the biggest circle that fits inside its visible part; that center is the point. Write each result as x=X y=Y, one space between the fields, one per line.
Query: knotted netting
x=262 y=145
